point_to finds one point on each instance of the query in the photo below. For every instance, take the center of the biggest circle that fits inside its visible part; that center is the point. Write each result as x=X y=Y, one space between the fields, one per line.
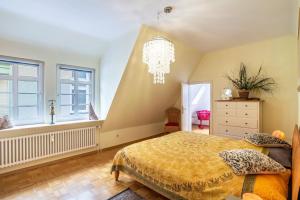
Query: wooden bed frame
x=295 y=167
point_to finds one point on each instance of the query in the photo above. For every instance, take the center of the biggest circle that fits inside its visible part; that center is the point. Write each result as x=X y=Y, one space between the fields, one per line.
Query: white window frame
x=76 y=84
x=15 y=91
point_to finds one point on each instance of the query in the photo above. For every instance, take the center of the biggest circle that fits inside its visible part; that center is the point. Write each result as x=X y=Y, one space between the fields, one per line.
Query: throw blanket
x=185 y=165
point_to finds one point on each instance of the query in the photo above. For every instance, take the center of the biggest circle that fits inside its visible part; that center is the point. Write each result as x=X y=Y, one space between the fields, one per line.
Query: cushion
x=5 y=122
x=172 y=124
x=92 y=113
x=249 y=161
x=281 y=155
x=266 y=140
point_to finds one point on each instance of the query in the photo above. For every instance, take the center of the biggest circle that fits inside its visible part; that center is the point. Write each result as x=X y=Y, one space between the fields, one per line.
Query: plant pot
x=244 y=94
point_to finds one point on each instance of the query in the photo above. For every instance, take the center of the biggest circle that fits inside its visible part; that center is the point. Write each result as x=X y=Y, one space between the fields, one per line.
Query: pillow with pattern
x=265 y=140
x=249 y=161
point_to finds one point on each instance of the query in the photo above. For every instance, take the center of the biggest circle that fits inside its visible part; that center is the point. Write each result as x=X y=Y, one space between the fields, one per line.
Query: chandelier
x=158 y=54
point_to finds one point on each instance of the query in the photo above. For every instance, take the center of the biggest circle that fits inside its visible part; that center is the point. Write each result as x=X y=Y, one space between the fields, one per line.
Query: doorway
x=196 y=107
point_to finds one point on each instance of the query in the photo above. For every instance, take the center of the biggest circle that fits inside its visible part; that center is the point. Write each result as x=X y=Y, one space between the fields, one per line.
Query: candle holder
x=52 y=110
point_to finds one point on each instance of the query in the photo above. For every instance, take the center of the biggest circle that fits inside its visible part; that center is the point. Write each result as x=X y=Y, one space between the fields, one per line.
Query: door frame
x=211 y=101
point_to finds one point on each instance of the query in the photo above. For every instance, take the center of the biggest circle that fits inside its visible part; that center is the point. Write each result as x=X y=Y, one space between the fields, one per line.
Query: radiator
x=23 y=149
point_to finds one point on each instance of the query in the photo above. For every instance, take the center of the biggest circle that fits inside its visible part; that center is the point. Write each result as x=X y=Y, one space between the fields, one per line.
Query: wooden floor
x=196 y=129
x=83 y=178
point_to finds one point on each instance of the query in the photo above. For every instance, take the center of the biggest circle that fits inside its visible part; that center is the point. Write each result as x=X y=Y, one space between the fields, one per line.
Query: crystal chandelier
x=158 y=54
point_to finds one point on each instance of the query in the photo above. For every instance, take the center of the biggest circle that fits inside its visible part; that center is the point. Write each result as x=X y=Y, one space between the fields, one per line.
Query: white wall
x=51 y=57
x=199 y=97
x=113 y=64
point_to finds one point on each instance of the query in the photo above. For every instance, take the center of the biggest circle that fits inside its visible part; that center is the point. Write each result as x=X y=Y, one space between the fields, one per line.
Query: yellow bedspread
x=185 y=165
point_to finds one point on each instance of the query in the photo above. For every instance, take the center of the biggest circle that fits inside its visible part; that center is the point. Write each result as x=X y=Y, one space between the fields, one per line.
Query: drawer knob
x=246 y=114
x=226 y=105
x=226 y=130
x=246 y=105
x=246 y=133
x=226 y=121
x=246 y=123
x=226 y=113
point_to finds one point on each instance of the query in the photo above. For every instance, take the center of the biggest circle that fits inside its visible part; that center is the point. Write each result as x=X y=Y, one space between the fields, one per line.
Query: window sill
x=40 y=128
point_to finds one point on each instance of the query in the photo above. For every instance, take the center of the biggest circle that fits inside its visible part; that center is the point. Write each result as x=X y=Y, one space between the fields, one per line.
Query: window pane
x=67 y=74
x=6 y=100
x=84 y=89
x=84 y=76
x=83 y=108
x=66 y=110
x=4 y=111
x=83 y=99
x=27 y=70
x=66 y=88
x=5 y=86
x=27 y=113
x=27 y=99
x=67 y=99
x=27 y=86
x=5 y=69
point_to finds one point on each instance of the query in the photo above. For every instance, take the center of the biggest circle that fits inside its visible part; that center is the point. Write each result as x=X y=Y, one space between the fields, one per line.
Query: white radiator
x=18 y=150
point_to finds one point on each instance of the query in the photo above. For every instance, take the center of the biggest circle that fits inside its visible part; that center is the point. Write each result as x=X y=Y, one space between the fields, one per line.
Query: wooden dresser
x=237 y=118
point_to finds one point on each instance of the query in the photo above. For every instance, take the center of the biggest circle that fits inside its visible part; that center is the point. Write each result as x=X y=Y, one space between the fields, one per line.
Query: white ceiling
x=87 y=25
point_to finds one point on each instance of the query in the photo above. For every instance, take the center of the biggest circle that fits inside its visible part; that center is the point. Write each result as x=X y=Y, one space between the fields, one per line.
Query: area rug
x=127 y=194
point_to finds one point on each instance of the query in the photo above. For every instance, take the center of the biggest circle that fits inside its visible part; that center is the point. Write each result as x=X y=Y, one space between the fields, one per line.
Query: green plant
x=257 y=82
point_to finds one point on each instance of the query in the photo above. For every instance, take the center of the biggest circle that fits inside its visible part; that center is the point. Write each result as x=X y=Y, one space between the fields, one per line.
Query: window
x=21 y=90
x=75 y=92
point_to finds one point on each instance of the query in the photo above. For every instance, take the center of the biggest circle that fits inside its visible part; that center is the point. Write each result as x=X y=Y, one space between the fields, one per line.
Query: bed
x=185 y=165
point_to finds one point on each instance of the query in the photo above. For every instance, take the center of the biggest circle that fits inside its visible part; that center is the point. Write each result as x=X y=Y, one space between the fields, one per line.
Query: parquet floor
x=83 y=178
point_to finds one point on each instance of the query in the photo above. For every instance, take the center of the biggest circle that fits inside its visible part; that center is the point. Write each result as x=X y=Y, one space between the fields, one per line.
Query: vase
x=244 y=94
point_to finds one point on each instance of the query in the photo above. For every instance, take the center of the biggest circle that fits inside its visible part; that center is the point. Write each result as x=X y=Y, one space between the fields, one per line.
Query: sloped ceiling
x=112 y=67
x=204 y=24
x=138 y=101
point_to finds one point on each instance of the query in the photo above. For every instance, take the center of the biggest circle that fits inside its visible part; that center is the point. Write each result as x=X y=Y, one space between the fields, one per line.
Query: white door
x=185 y=116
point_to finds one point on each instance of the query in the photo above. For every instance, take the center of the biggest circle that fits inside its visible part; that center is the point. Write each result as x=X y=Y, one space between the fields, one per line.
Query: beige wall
x=279 y=59
x=51 y=57
x=138 y=101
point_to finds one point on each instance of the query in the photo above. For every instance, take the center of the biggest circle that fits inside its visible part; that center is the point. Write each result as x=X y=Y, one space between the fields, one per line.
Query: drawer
x=229 y=131
x=247 y=131
x=228 y=121
x=226 y=105
x=226 y=113
x=246 y=113
x=247 y=105
x=248 y=123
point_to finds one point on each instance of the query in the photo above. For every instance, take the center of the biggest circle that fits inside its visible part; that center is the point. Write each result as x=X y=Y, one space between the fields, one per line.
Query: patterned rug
x=127 y=194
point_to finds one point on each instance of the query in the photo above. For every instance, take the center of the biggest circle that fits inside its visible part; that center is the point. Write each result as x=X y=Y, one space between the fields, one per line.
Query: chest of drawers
x=237 y=118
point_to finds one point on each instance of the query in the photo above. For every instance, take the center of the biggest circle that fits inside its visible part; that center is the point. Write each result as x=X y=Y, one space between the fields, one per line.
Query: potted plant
x=245 y=83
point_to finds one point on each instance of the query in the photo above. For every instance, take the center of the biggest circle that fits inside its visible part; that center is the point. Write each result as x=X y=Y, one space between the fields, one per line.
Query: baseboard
x=132 y=142
x=126 y=135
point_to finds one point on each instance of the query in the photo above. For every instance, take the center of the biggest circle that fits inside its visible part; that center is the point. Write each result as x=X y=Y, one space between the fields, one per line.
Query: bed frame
x=295 y=162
